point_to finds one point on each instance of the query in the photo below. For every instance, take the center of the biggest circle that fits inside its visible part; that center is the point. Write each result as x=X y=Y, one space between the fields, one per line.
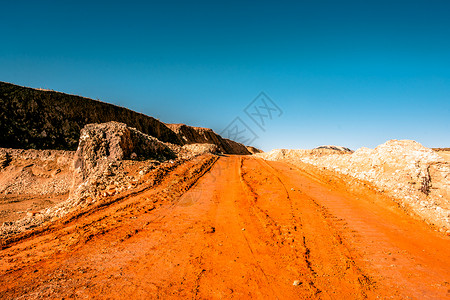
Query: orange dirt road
x=246 y=228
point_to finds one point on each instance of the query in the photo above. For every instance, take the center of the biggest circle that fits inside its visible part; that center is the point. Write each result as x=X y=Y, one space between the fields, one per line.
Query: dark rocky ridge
x=36 y=119
x=199 y=135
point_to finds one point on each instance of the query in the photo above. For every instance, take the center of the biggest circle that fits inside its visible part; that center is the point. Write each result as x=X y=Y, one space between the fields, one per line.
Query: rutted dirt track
x=245 y=228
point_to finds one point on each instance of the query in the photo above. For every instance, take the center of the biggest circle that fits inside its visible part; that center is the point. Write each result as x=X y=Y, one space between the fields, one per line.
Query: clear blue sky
x=351 y=73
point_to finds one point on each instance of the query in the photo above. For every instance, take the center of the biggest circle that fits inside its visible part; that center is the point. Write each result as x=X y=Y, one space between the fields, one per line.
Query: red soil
x=246 y=229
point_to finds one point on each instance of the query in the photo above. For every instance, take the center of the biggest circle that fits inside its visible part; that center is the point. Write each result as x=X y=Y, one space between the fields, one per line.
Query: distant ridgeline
x=39 y=119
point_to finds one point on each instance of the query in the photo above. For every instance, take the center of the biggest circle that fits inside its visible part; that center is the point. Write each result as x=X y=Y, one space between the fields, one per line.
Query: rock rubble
x=111 y=159
x=415 y=176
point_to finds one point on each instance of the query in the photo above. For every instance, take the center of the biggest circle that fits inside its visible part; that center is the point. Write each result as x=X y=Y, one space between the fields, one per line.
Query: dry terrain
x=415 y=177
x=41 y=119
x=31 y=180
x=132 y=208
x=232 y=227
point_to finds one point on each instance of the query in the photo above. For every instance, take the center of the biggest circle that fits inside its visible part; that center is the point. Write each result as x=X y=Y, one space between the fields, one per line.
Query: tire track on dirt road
x=243 y=228
x=342 y=252
x=312 y=244
x=402 y=254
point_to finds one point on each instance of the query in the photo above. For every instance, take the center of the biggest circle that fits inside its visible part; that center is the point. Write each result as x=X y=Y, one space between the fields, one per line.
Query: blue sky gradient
x=351 y=73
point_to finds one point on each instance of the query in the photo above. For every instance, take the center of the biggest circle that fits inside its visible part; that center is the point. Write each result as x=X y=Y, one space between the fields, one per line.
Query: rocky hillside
x=253 y=150
x=416 y=176
x=37 y=119
x=199 y=135
x=111 y=159
x=285 y=154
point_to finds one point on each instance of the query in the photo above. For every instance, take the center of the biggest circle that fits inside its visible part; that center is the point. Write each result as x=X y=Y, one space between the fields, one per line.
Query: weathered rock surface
x=36 y=119
x=198 y=149
x=111 y=159
x=32 y=180
x=332 y=147
x=417 y=177
x=281 y=154
x=35 y=173
x=199 y=135
x=101 y=144
x=253 y=150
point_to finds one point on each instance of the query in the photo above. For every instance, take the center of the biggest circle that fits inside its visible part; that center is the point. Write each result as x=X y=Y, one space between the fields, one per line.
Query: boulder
x=104 y=143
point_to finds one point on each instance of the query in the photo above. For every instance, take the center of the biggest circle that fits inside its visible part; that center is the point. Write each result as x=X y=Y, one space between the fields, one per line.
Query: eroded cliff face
x=199 y=135
x=103 y=143
x=35 y=119
x=253 y=150
x=111 y=159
